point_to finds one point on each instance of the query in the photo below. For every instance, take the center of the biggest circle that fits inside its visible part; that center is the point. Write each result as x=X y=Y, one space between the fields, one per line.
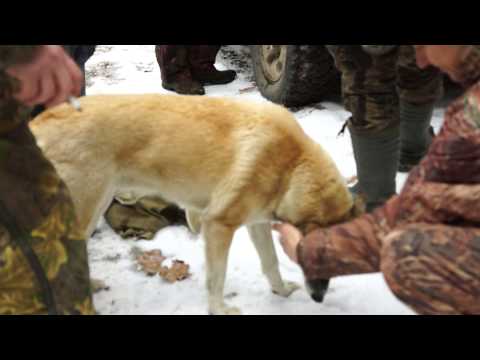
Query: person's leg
x=434 y=269
x=418 y=90
x=368 y=89
x=81 y=54
x=202 y=61
x=175 y=70
x=37 y=204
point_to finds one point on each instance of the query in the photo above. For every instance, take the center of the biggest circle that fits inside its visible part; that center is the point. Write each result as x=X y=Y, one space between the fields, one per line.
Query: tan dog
x=227 y=162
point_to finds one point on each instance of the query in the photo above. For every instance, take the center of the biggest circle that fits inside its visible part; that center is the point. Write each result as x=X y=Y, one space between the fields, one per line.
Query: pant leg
x=173 y=61
x=202 y=57
x=81 y=54
x=434 y=269
x=415 y=85
x=40 y=203
x=368 y=88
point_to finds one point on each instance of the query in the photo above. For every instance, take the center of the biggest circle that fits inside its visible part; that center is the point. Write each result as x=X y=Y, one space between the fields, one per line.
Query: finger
x=63 y=83
x=76 y=75
x=287 y=230
x=28 y=89
x=282 y=227
x=47 y=89
x=283 y=230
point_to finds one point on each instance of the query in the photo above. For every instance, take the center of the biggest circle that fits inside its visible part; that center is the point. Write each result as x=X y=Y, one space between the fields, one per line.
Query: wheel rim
x=273 y=61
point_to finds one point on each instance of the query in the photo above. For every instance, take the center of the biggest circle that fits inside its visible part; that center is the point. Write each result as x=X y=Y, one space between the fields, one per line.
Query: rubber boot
x=376 y=157
x=202 y=63
x=175 y=70
x=416 y=134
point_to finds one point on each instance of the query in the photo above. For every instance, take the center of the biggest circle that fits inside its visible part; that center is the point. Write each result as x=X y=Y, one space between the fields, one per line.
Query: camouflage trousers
x=435 y=269
x=372 y=86
x=39 y=202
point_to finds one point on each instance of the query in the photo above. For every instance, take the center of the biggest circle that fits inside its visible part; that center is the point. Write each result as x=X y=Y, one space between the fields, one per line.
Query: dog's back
x=184 y=146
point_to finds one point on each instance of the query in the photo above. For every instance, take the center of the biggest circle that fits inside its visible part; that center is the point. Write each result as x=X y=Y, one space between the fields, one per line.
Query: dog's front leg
x=218 y=238
x=261 y=236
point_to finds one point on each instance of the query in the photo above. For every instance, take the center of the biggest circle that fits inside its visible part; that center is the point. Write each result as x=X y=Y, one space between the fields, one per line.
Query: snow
x=133 y=69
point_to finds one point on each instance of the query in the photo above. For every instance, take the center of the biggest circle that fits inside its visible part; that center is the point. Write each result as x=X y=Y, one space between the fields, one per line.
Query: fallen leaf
x=177 y=272
x=151 y=261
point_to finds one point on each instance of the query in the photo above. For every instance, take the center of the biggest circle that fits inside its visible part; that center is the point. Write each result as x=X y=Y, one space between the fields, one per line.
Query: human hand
x=49 y=79
x=290 y=237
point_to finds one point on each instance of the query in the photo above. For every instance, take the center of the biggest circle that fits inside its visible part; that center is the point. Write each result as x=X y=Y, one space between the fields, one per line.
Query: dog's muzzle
x=317 y=289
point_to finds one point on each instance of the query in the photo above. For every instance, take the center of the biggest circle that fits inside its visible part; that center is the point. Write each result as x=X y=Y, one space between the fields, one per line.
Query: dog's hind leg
x=218 y=238
x=261 y=236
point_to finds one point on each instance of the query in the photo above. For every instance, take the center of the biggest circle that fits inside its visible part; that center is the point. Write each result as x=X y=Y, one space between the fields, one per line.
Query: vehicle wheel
x=294 y=75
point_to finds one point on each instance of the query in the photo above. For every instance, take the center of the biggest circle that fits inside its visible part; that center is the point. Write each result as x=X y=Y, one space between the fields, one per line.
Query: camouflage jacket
x=11 y=112
x=443 y=189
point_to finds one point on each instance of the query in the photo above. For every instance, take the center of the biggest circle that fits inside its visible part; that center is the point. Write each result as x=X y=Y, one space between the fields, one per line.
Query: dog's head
x=356 y=209
x=318 y=288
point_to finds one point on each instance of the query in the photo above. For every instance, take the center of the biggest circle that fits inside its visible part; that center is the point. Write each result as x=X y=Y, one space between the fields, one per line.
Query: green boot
x=416 y=134
x=376 y=156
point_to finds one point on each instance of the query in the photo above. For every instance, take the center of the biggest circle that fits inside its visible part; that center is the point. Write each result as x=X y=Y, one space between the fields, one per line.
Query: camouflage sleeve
x=12 y=113
x=19 y=54
x=346 y=249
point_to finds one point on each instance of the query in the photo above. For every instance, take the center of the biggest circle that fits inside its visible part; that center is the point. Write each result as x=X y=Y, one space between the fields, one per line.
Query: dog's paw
x=288 y=288
x=225 y=310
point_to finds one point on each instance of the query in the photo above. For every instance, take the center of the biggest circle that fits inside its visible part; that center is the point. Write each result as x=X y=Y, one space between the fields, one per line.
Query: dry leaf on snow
x=177 y=272
x=151 y=263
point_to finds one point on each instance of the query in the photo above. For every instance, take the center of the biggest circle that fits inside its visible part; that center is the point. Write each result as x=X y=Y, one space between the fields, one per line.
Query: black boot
x=183 y=84
x=202 y=63
x=416 y=134
x=376 y=157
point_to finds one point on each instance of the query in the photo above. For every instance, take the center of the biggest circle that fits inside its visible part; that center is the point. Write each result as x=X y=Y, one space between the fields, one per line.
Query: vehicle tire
x=294 y=75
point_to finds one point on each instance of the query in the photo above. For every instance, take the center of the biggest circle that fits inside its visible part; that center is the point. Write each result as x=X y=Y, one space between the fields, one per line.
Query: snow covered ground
x=133 y=69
